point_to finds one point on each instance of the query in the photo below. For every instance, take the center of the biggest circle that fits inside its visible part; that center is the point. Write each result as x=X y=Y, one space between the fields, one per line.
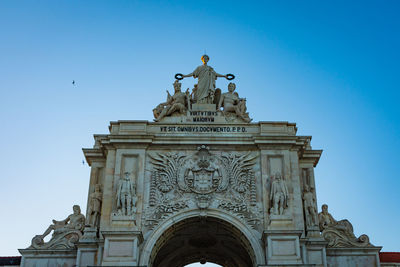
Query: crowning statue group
x=204 y=92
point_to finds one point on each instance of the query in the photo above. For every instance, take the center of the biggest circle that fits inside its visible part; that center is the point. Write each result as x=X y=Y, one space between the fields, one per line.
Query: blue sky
x=331 y=67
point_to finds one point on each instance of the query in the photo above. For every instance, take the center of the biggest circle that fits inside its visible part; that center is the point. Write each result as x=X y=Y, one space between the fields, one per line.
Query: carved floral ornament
x=202 y=180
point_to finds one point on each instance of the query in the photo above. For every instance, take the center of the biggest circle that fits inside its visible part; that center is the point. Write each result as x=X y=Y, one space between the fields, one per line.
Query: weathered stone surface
x=218 y=174
x=349 y=257
x=340 y=233
x=205 y=184
x=35 y=258
x=66 y=233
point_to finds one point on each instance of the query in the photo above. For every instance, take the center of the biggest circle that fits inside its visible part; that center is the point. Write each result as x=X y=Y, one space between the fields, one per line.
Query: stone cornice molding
x=262 y=135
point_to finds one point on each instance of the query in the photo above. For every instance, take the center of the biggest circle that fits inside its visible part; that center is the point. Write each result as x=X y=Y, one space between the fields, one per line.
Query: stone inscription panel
x=283 y=249
x=120 y=248
x=203 y=126
x=203 y=129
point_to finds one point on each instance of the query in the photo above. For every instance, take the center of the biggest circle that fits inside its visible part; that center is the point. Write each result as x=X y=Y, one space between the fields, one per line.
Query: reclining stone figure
x=339 y=233
x=66 y=233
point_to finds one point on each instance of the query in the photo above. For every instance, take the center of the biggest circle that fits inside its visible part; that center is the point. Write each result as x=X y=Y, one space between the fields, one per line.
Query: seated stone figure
x=65 y=233
x=231 y=103
x=339 y=233
x=157 y=110
x=175 y=103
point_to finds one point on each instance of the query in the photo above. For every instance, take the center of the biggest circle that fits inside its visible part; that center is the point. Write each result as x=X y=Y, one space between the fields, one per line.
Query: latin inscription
x=203 y=116
x=203 y=113
x=204 y=129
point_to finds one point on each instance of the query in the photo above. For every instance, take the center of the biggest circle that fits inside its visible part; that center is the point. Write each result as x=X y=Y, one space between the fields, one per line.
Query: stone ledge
x=352 y=251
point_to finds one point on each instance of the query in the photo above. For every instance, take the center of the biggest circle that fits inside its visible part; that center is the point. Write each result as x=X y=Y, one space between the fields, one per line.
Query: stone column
x=94 y=174
x=297 y=209
x=106 y=208
x=313 y=244
x=88 y=247
x=308 y=181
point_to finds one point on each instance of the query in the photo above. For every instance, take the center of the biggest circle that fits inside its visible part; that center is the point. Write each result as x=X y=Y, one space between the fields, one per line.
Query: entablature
x=261 y=135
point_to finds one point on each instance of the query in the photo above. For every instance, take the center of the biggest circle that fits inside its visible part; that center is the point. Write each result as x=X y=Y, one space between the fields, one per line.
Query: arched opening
x=198 y=264
x=202 y=240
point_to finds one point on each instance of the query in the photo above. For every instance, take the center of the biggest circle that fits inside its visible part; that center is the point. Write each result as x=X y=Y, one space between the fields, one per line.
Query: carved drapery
x=64 y=240
x=340 y=233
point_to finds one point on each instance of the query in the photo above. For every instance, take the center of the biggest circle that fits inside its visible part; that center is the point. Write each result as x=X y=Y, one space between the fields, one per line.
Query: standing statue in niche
x=176 y=103
x=309 y=206
x=126 y=196
x=279 y=195
x=231 y=102
x=205 y=90
x=95 y=206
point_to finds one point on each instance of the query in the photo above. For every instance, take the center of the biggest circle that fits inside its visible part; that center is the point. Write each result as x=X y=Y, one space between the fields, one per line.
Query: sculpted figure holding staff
x=206 y=84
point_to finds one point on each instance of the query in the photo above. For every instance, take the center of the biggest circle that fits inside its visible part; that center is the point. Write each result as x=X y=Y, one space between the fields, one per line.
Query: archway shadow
x=202 y=240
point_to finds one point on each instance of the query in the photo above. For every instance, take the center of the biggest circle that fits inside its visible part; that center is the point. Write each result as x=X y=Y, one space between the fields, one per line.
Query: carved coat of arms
x=203 y=176
x=225 y=180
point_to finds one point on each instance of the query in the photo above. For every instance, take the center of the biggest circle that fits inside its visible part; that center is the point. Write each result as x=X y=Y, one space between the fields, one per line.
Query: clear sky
x=330 y=66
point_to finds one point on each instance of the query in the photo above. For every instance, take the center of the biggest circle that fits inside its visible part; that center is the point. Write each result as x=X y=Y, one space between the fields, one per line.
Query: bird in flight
x=73 y=82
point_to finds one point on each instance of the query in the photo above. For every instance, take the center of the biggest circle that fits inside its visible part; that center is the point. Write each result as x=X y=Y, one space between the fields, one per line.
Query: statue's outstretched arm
x=65 y=221
x=188 y=75
x=220 y=75
x=62 y=222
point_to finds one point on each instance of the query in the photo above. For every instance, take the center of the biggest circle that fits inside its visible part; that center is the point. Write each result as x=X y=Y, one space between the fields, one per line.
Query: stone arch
x=249 y=239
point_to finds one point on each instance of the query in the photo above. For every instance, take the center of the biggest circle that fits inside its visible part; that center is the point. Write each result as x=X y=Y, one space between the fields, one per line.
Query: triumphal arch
x=202 y=183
